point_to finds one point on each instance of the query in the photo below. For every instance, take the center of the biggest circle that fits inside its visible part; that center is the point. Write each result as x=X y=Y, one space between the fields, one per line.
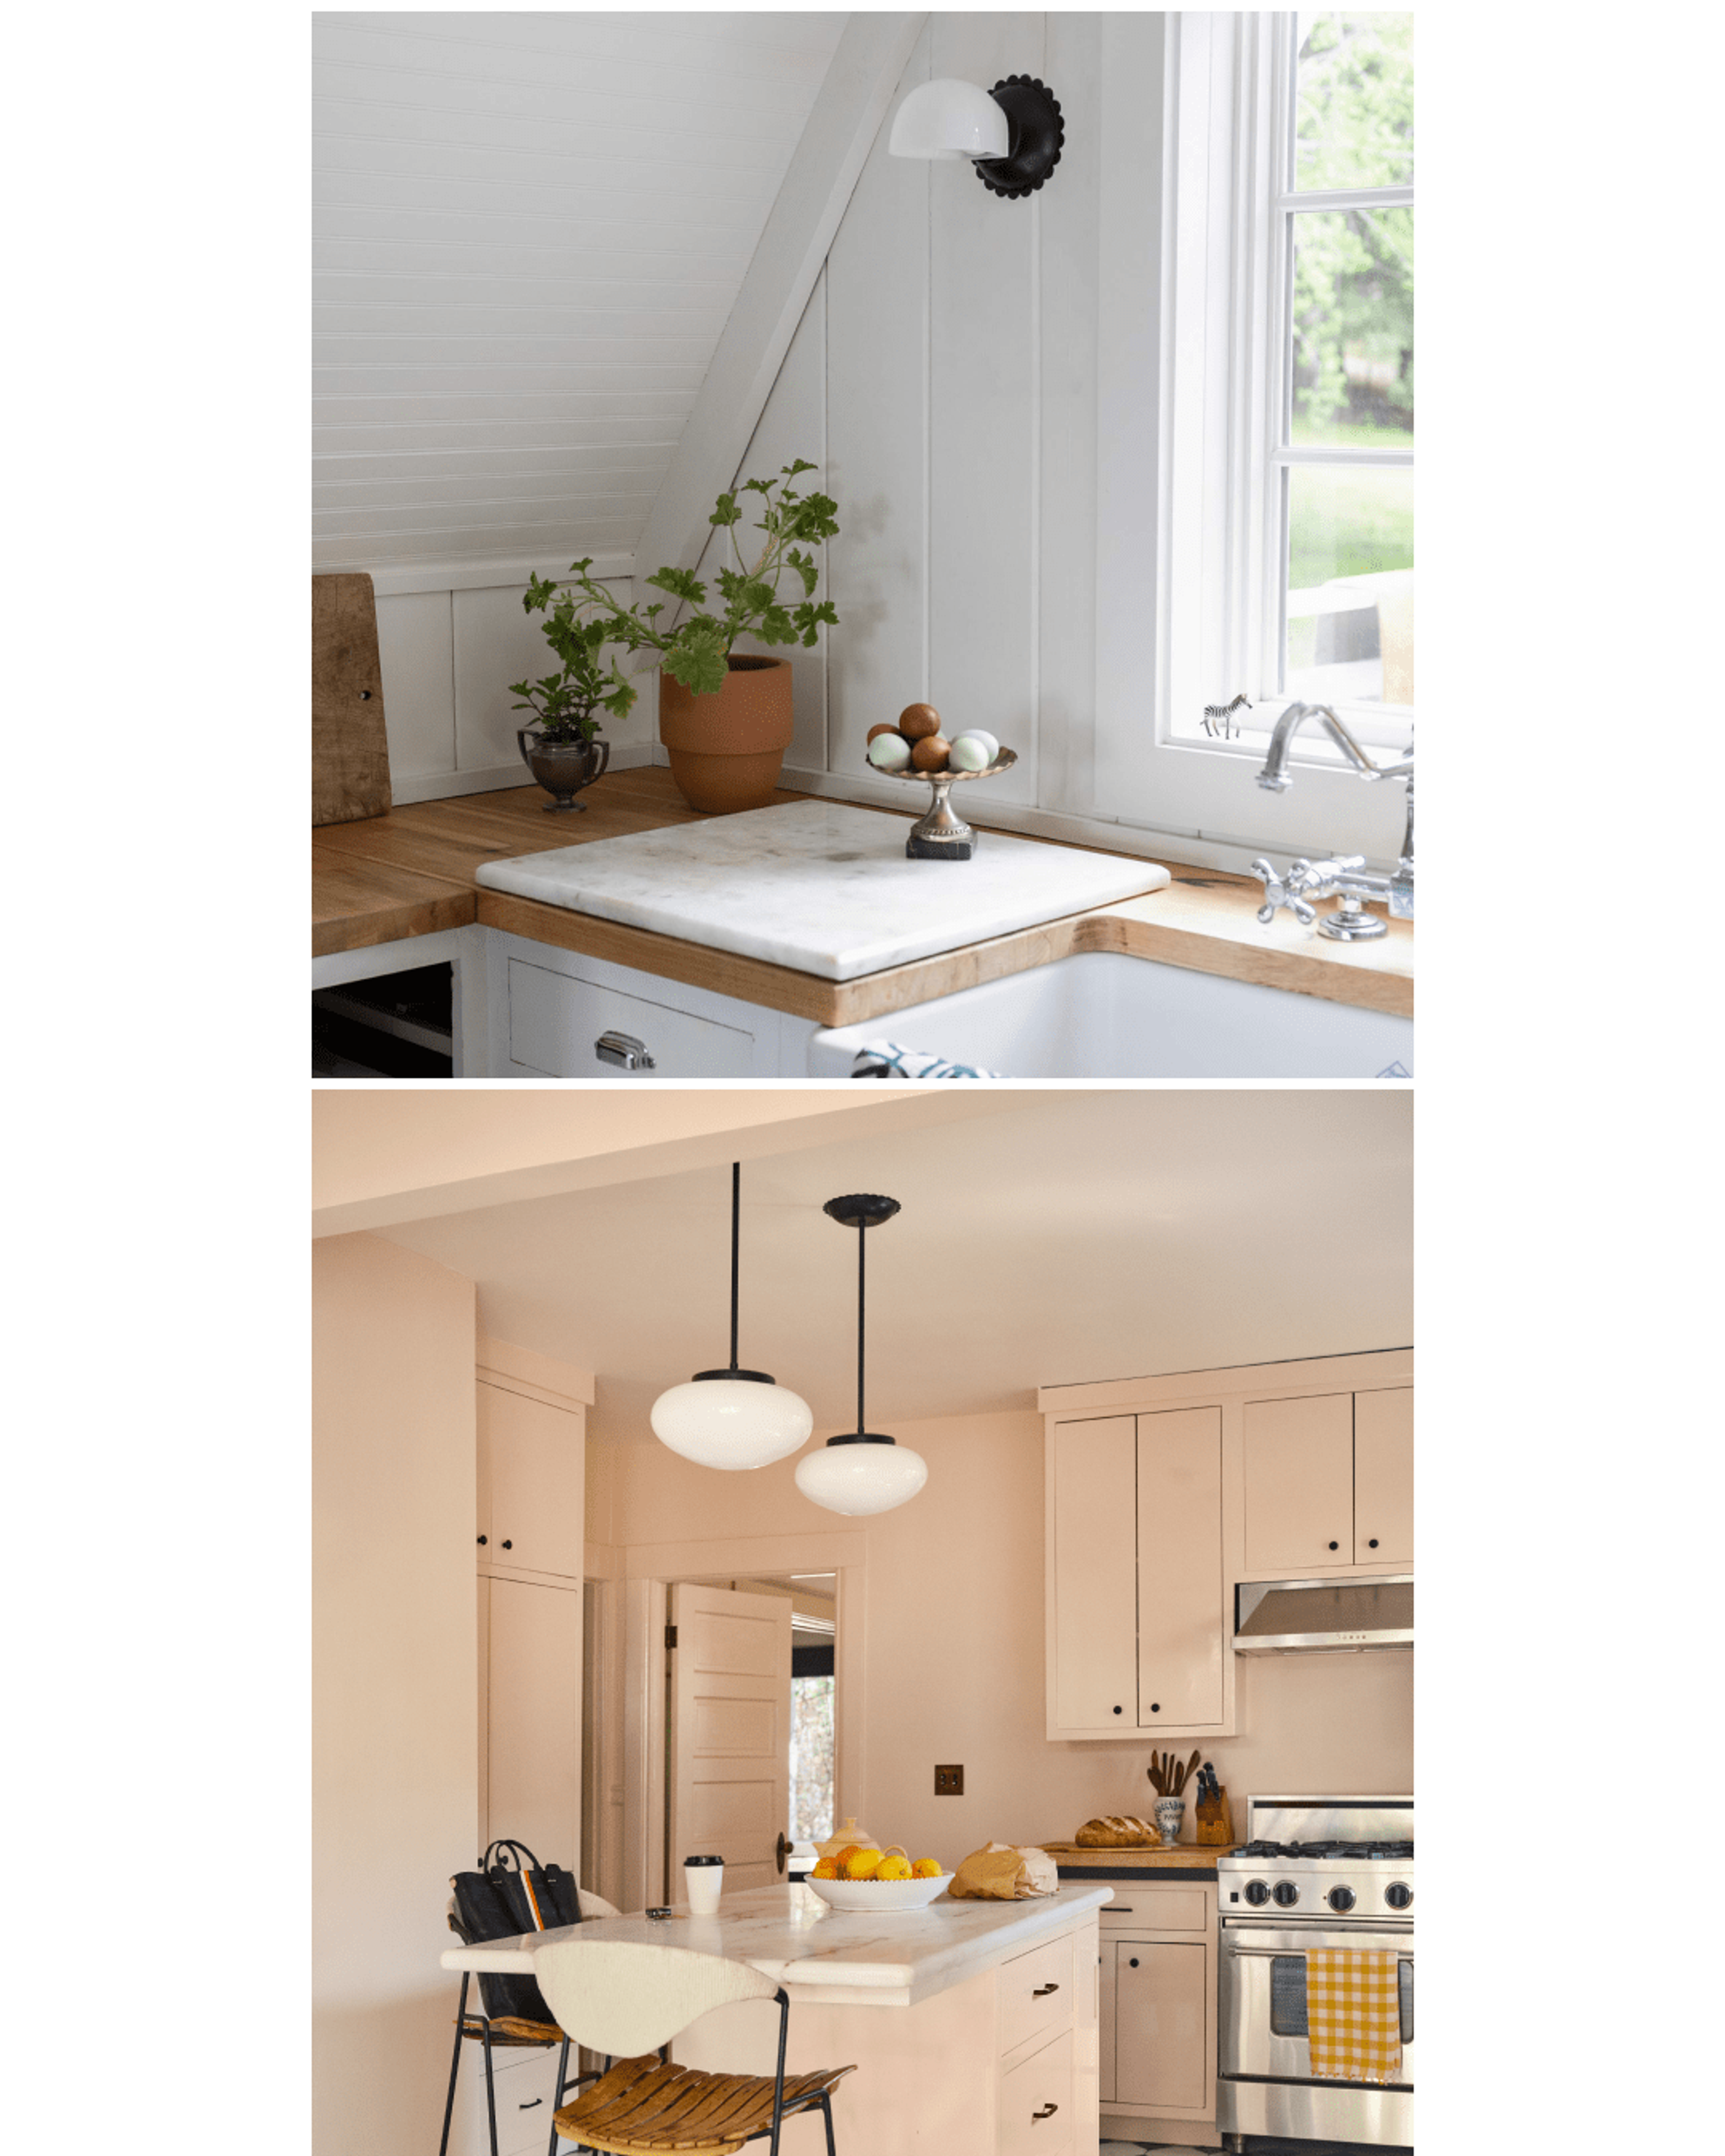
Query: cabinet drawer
x=1035 y=1994
x=1036 y=2101
x=555 y=1021
x=1157 y=1909
x=525 y=2085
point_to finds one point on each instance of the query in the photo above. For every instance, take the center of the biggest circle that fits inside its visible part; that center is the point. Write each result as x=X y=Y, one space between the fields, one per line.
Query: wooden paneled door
x=1384 y=1477
x=730 y=1763
x=530 y=1775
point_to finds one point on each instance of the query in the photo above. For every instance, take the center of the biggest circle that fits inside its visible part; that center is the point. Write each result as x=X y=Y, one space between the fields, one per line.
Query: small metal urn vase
x=563 y=767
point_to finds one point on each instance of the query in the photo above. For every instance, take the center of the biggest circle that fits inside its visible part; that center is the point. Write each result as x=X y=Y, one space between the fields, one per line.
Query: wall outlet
x=949 y=1781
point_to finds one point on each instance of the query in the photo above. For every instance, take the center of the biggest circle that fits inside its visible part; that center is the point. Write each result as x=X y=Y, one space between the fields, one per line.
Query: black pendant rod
x=735 y=1213
x=862 y=1243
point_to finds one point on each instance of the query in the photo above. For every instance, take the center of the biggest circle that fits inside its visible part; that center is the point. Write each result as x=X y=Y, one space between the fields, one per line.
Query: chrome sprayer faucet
x=1344 y=874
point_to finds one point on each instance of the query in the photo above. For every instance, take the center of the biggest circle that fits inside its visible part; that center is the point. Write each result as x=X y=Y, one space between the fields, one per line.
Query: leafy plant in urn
x=564 y=753
x=725 y=716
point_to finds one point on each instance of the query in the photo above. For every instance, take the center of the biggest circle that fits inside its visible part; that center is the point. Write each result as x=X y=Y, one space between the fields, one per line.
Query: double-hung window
x=1255 y=413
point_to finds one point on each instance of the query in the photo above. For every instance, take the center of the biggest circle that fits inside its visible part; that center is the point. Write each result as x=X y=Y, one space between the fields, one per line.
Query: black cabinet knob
x=1332 y=1546
x=1133 y=1963
x=1372 y=1544
x=1119 y=1710
x=482 y=1541
x=511 y=1546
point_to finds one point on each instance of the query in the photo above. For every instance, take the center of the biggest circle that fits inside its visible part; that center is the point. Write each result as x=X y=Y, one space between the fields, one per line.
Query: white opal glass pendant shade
x=731 y=1422
x=946 y=118
x=861 y=1478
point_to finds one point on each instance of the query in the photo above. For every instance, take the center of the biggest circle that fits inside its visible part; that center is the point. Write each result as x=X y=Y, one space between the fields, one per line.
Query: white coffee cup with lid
x=703 y=1877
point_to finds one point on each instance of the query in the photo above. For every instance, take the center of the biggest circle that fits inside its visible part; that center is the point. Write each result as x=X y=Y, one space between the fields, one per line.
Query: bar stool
x=626 y=2000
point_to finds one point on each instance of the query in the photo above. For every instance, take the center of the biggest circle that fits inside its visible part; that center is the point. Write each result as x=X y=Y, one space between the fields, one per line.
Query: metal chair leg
x=557 y=2101
x=826 y=2106
x=443 y=2146
x=491 y=2092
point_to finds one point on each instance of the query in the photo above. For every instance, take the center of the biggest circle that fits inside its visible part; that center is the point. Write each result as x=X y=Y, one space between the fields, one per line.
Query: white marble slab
x=893 y=1960
x=820 y=885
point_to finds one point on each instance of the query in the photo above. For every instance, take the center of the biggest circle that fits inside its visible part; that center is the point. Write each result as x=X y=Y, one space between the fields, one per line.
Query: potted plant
x=724 y=716
x=564 y=752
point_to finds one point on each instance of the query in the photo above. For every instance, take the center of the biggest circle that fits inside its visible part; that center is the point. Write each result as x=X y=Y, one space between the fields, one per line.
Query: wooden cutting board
x=350 y=752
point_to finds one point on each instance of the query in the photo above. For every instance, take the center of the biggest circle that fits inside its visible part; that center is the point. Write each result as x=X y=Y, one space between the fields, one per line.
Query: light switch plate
x=949 y=1781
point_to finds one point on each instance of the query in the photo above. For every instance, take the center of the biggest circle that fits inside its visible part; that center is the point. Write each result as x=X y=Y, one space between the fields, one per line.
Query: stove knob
x=1398 y=1896
x=1287 y=1893
x=1256 y=1892
x=1339 y=1897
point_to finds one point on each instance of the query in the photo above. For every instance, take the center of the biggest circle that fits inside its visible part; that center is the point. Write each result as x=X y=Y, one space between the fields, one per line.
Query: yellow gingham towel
x=1353 y=2013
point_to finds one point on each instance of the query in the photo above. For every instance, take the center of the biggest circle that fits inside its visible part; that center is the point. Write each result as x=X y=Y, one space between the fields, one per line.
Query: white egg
x=888 y=751
x=982 y=734
x=970 y=752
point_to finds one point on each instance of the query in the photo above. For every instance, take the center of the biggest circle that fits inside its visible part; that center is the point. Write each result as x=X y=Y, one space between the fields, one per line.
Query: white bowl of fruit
x=879 y=1879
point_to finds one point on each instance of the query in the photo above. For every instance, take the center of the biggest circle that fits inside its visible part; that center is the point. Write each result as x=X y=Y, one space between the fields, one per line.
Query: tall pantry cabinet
x=531 y=1493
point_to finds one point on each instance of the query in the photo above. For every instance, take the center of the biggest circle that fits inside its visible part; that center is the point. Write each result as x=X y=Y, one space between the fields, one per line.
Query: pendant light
x=731 y=1418
x=863 y=1472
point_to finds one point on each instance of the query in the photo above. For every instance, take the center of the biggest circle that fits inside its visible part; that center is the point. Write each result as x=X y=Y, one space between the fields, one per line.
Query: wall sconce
x=1012 y=133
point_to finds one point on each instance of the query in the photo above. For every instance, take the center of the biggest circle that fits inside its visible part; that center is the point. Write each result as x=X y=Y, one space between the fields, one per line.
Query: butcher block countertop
x=1182 y=1860
x=411 y=872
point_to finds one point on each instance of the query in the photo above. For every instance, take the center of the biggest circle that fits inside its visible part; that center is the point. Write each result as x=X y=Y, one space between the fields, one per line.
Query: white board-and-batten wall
x=943 y=380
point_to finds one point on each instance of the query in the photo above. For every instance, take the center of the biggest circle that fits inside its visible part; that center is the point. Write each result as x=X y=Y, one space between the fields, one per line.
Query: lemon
x=925 y=1867
x=826 y=1868
x=859 y=1863
x=841 y=1857
x=893 y=1867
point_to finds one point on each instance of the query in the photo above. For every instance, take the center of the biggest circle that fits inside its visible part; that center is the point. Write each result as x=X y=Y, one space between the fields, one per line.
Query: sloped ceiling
x=529 y=232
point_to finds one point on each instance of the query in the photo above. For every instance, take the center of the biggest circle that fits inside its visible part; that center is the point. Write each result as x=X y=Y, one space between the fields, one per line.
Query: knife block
x=1214 y=1826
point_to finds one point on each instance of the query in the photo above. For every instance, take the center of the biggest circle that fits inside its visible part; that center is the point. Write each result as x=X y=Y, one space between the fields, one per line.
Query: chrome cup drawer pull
x=624 y=1051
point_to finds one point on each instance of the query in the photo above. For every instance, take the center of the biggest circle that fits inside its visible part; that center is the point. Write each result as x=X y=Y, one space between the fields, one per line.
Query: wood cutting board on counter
x=1071 y=1855
x=350 y=750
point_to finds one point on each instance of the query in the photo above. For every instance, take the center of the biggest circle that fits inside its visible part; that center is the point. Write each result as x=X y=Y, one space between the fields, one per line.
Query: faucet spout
x=1327 y=879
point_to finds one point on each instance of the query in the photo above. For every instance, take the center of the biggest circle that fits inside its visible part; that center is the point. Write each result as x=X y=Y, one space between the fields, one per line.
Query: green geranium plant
x=566 y=704
x=696 y=650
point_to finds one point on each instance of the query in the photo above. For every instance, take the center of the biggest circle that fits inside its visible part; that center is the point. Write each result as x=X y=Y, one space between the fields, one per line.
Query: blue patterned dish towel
x=891 y=1059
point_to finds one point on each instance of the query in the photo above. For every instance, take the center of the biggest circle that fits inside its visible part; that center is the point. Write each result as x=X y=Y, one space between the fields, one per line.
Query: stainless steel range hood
x=1316 y=1616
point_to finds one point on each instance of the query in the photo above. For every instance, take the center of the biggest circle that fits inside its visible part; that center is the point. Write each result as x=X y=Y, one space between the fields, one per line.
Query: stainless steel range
x=1317 y=1872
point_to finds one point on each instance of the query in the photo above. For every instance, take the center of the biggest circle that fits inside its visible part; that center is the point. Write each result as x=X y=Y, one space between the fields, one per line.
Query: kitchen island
x=966 y=2020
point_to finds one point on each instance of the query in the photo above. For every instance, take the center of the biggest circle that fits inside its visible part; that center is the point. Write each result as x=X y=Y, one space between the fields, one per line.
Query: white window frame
x=1193 y=369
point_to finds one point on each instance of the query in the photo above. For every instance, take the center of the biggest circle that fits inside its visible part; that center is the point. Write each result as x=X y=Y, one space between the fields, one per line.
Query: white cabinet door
x=556 y=1020
x=532 y=1483
x=1160 y=2036
x=532 y=1791
x=1384 y=1477
x=1180 y=1597
x=1299 y=1484
x=1094 y=1650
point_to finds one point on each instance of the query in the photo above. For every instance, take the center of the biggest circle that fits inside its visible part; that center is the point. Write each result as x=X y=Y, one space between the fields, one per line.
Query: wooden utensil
x=1189 y=1769
x=1154 y=1771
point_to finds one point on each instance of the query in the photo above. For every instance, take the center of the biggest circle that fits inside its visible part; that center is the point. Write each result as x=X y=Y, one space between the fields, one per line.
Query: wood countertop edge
x=1261 y=965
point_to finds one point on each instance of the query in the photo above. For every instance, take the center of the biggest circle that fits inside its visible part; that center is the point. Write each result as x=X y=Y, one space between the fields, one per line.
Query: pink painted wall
x=395 y=1749
x=954 y=1629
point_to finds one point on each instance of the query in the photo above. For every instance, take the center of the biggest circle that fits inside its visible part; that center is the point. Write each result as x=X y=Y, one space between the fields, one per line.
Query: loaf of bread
x=1116 y=1832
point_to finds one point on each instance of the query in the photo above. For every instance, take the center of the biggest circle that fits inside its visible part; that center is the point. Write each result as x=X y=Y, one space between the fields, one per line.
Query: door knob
x=783 y=1852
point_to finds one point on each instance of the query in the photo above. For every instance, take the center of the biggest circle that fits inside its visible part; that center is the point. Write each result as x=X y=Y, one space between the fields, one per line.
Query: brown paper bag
x=1001 y=1873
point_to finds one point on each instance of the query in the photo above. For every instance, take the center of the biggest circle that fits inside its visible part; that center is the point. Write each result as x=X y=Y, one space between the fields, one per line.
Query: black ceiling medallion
x=1038 y=133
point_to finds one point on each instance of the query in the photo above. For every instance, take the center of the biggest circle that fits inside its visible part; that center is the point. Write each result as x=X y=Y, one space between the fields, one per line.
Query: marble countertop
x=895 y=1960
x=820 y=886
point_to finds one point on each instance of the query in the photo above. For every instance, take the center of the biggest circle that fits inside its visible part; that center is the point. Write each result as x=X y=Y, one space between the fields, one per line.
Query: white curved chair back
x=594 y=1905
x=625 y=1998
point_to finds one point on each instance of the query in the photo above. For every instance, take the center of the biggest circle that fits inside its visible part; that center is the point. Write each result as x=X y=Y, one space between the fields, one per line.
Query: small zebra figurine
x=1219 y=719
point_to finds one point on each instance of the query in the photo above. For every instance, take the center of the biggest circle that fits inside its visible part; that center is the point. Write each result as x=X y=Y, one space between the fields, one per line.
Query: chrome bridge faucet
x=1344 y=874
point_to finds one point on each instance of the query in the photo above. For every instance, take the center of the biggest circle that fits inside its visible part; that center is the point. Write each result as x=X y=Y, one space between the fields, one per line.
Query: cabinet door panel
x=1384 y=1477
x=1036 y=2100
x=533 y=1767
x=1299 y=1483
x=555 y=1022
x=532 y=1463
x=1096 y=1570
x=1160 y=2037
x=1179 y=1534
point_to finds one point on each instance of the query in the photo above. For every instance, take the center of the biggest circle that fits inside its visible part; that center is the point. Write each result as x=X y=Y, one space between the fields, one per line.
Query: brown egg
x=882 y=729
x=930 y=752
x=917 y=722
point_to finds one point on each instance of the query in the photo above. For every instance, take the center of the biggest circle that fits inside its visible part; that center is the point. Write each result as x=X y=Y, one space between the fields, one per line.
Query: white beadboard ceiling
x=530 y=230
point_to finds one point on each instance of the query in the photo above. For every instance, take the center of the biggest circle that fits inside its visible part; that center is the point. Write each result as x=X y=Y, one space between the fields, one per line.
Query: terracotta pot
x=726 y=749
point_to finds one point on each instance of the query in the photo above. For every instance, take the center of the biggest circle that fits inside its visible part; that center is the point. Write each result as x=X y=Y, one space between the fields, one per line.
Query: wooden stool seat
x=641 y=2105
x=510 y=2029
